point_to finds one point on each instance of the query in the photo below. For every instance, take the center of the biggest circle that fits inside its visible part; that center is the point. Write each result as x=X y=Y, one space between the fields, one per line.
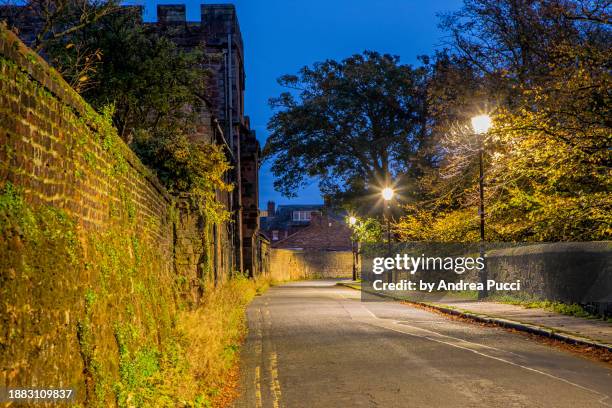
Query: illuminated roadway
x=315 y=344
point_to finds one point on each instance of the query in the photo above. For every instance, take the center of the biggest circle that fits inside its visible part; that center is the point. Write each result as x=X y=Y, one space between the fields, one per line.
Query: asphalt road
x=315 y=344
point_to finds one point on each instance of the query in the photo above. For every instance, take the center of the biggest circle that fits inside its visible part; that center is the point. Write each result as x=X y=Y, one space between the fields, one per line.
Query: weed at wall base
x=108 y=313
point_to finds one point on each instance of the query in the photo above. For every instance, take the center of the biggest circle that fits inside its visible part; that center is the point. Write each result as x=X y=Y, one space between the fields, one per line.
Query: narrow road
x=315 y=344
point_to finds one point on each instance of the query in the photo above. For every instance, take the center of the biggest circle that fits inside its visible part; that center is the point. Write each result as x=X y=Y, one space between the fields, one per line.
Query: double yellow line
x=272 y=363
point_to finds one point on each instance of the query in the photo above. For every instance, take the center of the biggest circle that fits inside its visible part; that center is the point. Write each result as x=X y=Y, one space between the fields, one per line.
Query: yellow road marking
x=275 y=385
x=257 y=387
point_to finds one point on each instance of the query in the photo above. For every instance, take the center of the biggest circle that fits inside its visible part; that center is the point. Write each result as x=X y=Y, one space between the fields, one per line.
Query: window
x=275 y=235
x=303 y=215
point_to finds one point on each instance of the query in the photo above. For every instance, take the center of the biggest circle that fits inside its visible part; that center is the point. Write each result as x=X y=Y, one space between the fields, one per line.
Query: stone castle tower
x=223 y=120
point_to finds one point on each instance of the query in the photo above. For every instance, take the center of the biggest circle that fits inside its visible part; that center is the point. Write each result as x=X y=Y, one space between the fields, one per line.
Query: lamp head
x=387 y=193
x=352 y=220
x=481 y=123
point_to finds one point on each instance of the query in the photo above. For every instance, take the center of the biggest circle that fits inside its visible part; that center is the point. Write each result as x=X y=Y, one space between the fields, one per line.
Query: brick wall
x=140 y=254
x=287 y=264
x=60 y=152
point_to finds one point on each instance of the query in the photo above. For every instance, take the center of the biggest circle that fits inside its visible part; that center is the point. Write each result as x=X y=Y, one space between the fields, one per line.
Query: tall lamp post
x=387 y=195
x=353 y=221
x=481 y=125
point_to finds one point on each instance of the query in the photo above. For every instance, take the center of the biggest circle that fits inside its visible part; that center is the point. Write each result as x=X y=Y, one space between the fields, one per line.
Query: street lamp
x=481 y=125
x=352 y=222
x=387 y=195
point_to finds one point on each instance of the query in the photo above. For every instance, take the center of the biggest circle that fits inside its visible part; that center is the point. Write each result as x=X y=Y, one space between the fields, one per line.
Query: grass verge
x=213 y=334
x=567 y=309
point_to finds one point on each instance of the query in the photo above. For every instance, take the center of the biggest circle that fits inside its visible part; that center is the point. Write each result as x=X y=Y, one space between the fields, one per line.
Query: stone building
x=223 y=118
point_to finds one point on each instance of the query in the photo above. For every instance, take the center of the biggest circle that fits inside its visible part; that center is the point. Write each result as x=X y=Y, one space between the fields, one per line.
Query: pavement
x=590 y=332
x=315 y=344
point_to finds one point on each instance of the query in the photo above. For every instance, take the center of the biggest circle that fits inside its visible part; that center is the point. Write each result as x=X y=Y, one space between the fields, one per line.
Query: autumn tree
x=541 y=68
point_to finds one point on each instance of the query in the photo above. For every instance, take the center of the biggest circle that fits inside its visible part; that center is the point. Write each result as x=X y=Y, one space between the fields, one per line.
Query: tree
x=157 y=90
x=541 y=67
x=153 y=90
x=152 y=83
x=366 y=230
x=354 y=124
x=43 y=24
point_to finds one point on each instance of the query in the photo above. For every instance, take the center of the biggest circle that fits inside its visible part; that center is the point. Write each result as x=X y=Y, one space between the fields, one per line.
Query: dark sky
x=281 y=36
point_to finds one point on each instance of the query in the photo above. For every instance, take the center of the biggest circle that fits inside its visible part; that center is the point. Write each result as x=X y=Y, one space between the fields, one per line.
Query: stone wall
x=569 y=272
x=287 y=264
x=572 y=272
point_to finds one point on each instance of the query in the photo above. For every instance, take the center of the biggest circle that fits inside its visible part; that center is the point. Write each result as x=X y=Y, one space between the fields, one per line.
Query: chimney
x=271 y=209
x=171 y=13
x=327 y=203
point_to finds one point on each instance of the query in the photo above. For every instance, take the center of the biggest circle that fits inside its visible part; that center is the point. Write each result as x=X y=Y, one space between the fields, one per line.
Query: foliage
x=153 y=84
x=452 y=226
x=54 y=22
x=154 y=92
x=352 y=123
x=121 y=315
x=366 y=230
x=188 y=166
x=214 y=333
x=541 y=69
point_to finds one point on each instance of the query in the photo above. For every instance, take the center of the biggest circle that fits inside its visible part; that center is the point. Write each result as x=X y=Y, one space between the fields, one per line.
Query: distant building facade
x=323 y=233
x=285 y=220
x=305 y=226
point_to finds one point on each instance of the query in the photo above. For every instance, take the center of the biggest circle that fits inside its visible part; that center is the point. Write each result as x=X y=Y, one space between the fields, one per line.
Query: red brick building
x=280 y=222
x=323 y=233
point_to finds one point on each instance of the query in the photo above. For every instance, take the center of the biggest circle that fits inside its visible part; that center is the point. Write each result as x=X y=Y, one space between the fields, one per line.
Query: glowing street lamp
x=352 y=221
x=481 y=125
x=387 y=193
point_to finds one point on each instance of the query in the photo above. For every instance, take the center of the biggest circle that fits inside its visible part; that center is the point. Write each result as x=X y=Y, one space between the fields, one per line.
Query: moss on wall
x=95 y=311
x=90 y=293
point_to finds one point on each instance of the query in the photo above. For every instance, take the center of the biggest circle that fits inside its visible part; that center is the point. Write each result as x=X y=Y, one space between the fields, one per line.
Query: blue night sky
x=281 y=36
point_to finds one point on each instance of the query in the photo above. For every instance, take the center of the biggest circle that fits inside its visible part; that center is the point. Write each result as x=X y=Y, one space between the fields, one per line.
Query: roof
x=323 y=233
